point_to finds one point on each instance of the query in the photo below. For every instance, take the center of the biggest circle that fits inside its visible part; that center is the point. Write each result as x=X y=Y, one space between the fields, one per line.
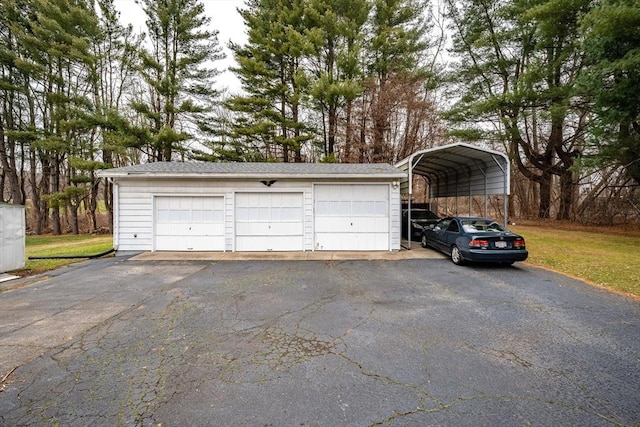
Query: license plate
x=501 y=245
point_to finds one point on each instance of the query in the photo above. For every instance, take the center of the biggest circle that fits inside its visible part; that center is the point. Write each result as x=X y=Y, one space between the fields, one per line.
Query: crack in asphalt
x=251 y=330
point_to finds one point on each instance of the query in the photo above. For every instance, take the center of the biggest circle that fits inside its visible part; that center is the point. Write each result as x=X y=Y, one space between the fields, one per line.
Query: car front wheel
x=456 y=257
x=423 y=241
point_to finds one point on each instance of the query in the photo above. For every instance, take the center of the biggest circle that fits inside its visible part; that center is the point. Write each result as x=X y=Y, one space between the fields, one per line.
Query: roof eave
x=236 y=176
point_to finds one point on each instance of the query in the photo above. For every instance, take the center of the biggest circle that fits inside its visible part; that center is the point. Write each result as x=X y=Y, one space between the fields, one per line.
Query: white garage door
x=269 y=222
x=189 y=223
x=351 y=217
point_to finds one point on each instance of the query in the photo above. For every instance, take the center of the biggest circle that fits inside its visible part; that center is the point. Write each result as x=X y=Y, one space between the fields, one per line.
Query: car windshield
x=481 y=226
x=423 y=215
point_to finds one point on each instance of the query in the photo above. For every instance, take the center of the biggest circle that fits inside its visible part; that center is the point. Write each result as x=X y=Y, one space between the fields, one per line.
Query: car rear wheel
x=423 y=241
x=456 y=257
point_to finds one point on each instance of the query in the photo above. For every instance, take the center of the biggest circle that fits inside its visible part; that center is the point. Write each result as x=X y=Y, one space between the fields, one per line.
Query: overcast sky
x=224 y=18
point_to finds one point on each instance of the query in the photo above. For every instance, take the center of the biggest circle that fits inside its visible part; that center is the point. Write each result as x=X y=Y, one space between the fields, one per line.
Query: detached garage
x=172 y=206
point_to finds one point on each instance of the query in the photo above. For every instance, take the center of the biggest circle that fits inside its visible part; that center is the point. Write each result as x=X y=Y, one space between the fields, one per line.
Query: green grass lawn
x=605 y=257
x=61 y=245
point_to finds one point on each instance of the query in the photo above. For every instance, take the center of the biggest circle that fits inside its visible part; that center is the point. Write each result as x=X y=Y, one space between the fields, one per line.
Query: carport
x=457 y=170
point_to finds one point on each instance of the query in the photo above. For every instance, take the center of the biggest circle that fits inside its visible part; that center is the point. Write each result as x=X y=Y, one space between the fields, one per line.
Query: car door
x=438 y=234
x=450 y=235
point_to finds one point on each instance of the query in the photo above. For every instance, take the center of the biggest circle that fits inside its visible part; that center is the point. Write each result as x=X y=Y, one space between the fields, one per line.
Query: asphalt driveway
x=315 y=343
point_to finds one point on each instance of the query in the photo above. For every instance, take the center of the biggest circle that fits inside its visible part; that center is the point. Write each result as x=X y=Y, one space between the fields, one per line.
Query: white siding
x=308 y=221
x=135 y=218
x=229 y=224
x=395 y=217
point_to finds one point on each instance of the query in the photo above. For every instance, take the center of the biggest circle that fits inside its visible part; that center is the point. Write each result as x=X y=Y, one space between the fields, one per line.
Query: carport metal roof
x=458 y=170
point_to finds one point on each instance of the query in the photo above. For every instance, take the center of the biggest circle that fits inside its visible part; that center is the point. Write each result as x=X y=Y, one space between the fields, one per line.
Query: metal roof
x=239 y=170
x=457 y=170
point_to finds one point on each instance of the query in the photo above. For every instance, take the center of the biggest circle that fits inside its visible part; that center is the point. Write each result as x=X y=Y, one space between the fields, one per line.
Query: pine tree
x=268 y=118
x=12 y=103
x=397 y=50
x=111 y=76
x=519 y=62
x=177 y=67
x=336 y=28
x=56 y=38
x=612 y=82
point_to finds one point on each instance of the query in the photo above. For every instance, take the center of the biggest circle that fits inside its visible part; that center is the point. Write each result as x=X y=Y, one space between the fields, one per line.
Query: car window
x=453 y=227
x=494 y=226
x=442 y=225
x=480 y=226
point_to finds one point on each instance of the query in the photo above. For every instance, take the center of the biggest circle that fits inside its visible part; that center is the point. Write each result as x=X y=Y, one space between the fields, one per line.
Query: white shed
x=12 y=232
x=193 y=206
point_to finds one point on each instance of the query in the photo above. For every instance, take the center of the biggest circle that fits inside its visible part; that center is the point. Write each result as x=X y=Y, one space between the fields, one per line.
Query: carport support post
x=470 y=201
x=409 y=201
x=505 y=190
x=408 y=205
x=486 y=199
x=409 y=221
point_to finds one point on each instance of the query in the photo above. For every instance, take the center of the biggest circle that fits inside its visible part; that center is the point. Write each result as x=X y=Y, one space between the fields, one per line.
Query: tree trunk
x=348 y=140
x=379 y=128
x=9 y=172
x=544 y=208
x=567 y=193
x=108 y=202
x=39 y=189
x=55 y=209
x=74 y=218
x=333 y=124
x=93 y=203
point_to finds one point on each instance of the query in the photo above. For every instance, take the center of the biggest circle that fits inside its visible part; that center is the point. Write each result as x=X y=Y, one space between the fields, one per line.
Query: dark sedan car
x=420 y=218
x=476 y=240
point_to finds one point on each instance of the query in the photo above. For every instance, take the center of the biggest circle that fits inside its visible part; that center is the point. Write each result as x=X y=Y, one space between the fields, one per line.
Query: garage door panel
x=207 y=229
x=267 y=243
x=287 y=228
x=270 y=229
x=164 y=229
x=352 y=217
x=269 y=221
x=189 y=223
x=253 y=229
x=352 y=241
x=204 y=243
x=371 y=225
x=193 y=243
x=321 y=225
